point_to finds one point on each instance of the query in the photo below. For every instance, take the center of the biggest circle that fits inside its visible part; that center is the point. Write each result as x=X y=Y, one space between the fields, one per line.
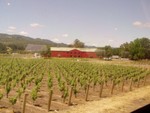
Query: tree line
x=11 y=47
x=135 y=50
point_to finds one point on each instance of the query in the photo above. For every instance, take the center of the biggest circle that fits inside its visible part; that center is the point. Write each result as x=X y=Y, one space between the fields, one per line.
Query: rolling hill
x=20 y=40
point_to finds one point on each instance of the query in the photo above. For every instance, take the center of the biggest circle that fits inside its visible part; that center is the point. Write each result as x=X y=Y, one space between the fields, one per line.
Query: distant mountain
x=24 y=40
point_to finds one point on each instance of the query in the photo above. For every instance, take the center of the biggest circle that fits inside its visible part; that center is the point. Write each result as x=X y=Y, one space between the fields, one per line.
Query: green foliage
x=2 y=48
x=145 y=43
x=61 y=86
x=116 y=51
x=137 y=49
x=1 y=96
x=13 y=100
x=8 y=88
x=124 y=50
x=50 y=83
x=20 y=91
x=47 y=52
x=77 y=44
x=108 y=51
x=65 y=95
x=34 y=94
x=9 y=50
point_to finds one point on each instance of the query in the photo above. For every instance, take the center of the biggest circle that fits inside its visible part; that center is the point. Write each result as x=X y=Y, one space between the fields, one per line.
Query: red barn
x=73 y=52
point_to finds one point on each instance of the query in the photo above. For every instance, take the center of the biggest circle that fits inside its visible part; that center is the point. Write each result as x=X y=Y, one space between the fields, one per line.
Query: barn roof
x=70 y=49
x=35 y=47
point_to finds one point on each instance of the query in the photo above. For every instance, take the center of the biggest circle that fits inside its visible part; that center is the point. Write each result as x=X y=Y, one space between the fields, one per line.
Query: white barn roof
x=69 y=49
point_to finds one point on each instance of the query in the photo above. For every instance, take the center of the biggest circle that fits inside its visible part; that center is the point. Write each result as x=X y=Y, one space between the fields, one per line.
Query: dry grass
x=121 y=103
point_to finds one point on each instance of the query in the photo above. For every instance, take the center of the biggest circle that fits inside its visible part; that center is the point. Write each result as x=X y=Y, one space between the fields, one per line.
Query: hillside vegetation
x=18 y=42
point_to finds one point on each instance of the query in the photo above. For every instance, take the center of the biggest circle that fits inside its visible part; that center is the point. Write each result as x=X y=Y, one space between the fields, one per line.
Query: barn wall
x=73 y=53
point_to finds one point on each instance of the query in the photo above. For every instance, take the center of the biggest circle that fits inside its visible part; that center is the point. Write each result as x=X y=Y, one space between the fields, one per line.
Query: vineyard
x=31 y=85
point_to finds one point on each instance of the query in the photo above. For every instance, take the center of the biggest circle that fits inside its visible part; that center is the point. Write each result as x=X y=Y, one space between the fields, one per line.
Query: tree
x=46 y=52
x=145 y=43
x=137 y=51
x=16 y=47
x=124 y=50
x=108 y=51
x=2 y=48
x=9 y=50
x=78 y=44
x=116 y=51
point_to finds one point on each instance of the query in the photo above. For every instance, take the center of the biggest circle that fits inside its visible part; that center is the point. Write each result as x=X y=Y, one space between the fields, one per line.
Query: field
x=57 y=84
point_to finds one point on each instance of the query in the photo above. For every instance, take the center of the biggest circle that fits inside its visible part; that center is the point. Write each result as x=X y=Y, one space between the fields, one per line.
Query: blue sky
x=95 y=22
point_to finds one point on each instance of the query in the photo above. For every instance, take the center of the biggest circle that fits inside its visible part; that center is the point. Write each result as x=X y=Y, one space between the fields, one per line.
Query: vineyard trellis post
x=112 y=87
x=101 y=89
x=144 y=80
x=131 y=82
x=87 y=92
x=50 y=99
x=24 y=103
x=138 y=84
x=122 y=87
x=70 y=95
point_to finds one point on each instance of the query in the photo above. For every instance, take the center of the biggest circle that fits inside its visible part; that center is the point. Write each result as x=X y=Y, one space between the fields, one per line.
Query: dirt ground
x=120 y=103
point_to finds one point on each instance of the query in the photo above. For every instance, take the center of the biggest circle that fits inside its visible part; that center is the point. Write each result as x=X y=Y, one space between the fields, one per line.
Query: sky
x=94 y=22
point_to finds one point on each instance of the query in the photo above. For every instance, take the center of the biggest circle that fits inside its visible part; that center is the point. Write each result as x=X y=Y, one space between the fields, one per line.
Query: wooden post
x=24 y=103
x=101 y=89
x=138 y=84
x=112 y=87
x=50 y=99
x=70 y=95
x=122 y=87
x=131 y=82
x=87 y=92
x=144 y=81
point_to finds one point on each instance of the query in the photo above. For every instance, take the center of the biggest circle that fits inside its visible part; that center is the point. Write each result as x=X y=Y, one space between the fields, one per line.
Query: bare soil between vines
x=119 y=103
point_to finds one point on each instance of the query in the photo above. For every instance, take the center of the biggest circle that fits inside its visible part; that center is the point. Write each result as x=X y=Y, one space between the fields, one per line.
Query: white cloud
x=110 y=40
x=36 y=25
x=65 y=35
x=23 y=33
x=12 y=27
x=141 y=24
x=55 y=40
x=9 y=30
x=115 y=28
x=8 y=4
x=137 y=23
